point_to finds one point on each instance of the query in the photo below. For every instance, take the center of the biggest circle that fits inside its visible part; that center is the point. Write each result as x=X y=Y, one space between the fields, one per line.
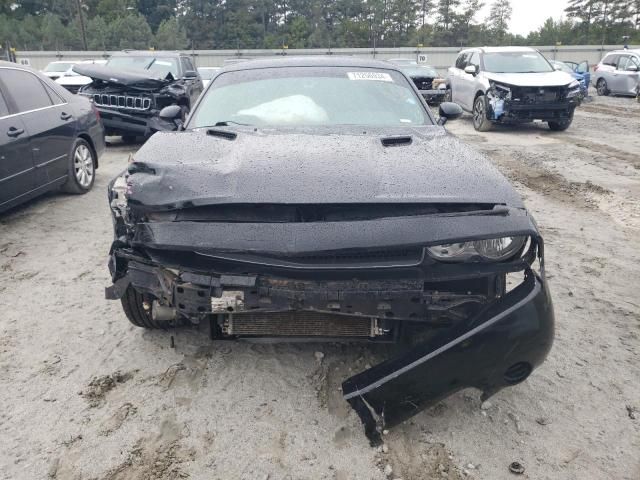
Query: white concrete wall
x=441 y=58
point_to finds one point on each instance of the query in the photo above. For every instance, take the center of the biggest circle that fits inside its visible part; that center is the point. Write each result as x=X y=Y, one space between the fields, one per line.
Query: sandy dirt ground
x=84 y=395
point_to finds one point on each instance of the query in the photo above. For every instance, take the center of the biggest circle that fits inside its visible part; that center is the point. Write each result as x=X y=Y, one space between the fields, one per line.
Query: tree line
x=247 y=24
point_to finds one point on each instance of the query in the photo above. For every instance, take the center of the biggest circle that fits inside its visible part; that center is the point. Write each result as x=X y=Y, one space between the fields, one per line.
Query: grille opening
x=306 y=213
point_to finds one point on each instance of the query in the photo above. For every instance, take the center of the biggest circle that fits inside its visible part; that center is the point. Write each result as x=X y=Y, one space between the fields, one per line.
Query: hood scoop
x=222 y=134
x=396 y=141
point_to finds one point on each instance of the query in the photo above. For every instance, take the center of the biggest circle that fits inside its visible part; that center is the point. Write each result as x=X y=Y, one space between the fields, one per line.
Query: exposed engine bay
x=517 y=104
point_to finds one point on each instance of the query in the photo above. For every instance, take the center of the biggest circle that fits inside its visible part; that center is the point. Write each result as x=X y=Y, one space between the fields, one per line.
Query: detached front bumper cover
x=498 y=348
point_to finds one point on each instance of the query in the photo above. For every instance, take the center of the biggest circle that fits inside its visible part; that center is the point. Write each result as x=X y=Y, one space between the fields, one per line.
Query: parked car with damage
x=512 y=85
x=319 y=199
x=73 y=81
x=50 y=139
x=426 y=78
x=618 y=73
x=133 y=86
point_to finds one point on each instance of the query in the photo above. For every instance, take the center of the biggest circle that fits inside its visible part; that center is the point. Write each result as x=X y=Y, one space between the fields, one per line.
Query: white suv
x=512 y=85
x=618 y=73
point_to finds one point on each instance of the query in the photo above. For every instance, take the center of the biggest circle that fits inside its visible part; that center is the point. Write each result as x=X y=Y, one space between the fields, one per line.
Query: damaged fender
x=498 y=348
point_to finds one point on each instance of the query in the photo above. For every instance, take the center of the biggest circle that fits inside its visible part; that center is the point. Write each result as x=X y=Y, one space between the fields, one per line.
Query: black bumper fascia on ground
x=498 y=348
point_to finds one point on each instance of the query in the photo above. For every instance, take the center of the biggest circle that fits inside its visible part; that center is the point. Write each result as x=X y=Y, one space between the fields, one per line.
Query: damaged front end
x=519 y=104
x=130 y=103
x=455 y=283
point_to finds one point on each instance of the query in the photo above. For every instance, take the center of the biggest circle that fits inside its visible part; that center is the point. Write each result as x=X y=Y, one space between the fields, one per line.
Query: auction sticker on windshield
x=376 y=76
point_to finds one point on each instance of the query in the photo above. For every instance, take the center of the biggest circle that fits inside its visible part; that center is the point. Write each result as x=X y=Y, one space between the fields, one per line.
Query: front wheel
x=82 y=168
x=602 y=88
x=137 y=308
x=480 y=121
x=561 y=125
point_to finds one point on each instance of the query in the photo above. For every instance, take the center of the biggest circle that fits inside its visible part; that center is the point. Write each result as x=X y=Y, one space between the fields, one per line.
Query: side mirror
x=190 y=74
x=470 y=69
x=632 y=68
x=557 y=67
x=449 y=111
x=172 y=112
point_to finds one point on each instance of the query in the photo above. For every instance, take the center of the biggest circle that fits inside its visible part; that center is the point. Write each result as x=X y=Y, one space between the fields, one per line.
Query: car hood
x=134 y=78
x=178 y=169
x=547 y=79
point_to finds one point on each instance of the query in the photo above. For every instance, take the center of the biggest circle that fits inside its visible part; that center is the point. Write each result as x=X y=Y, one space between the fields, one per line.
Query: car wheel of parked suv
x=480 y=120
x=82 y=168
x=602 y=88
x=134 y=308
x=560 y=126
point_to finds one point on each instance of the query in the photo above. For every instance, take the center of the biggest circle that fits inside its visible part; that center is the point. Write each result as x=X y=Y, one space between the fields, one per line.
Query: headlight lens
x=493 y=250
x=574 y=84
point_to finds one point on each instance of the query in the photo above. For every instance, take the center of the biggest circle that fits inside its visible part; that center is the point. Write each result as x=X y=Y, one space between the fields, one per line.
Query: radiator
x=300 y=324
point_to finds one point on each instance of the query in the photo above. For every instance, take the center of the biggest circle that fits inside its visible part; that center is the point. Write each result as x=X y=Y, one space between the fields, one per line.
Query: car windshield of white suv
x=305 y=96
x=516 y=62
x=157 y=65
x=58 y=67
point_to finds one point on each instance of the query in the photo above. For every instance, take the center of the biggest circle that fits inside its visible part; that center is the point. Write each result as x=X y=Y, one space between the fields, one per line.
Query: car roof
x=311 y=61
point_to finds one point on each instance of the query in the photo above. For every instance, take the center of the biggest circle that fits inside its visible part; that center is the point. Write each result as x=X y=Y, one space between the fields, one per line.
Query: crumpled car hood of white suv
x=545 y=79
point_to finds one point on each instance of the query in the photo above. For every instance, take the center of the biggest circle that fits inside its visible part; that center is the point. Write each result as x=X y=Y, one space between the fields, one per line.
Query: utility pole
x=82 y=30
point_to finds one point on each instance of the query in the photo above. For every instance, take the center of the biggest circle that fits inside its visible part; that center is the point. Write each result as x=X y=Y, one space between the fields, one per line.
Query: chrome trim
x=131 y=102
x=64 y=102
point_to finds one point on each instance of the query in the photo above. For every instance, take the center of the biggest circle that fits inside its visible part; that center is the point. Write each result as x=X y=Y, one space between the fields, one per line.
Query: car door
x=468 y=81
x=49 y=121
x=628 y=74
x=194 y=84
x=619 y=74
x=455 y=74
x=16 y=162
x=607 y=68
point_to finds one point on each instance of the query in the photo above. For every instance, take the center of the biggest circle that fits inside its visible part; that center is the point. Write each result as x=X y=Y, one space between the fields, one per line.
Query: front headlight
x=574 y=84
x=492 y=250
x=500 y=90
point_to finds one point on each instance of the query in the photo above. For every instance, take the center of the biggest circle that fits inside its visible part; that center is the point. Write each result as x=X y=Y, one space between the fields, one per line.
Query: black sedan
x=320 y=199
x=49 y=138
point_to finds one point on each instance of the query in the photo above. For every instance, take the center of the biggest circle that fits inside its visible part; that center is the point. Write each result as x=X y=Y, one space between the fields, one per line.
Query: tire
x=602 y=88
x=132 y=304
x=561 y=126
x=82 y=168
x=480 y=121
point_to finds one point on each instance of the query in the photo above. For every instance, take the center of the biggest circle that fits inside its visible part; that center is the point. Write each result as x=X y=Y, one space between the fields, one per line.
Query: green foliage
x=171 y=35
x=245 y=24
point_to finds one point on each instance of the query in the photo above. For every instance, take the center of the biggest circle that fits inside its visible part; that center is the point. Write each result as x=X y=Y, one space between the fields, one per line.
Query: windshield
x=157 y=65
x=516 y=62
x=59 y=67
x=420 y=71
x=301 y=96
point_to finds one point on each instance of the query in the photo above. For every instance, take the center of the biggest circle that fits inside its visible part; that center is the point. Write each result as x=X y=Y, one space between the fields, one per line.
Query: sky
x=529 y=15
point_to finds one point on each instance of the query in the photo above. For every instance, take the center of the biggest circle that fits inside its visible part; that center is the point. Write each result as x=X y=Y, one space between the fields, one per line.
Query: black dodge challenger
x=320 y=198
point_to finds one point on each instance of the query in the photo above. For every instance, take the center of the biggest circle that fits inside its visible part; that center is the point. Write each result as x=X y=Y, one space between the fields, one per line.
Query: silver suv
x=618 y=73
x=512 y=85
